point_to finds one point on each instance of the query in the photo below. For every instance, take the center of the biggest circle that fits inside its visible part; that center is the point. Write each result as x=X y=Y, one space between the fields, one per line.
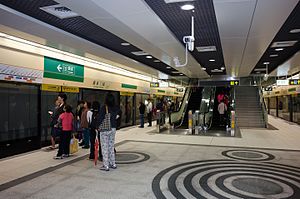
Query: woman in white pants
x=107 y=136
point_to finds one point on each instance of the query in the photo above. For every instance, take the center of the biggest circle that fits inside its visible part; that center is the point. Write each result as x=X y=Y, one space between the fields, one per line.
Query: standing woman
x=107 y=137
x=66 y=121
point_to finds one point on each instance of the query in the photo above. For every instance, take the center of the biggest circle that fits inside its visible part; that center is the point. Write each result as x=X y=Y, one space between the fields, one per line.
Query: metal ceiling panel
x=83 y=28
x=148 y=33
x=206 y=29
x=283 y=36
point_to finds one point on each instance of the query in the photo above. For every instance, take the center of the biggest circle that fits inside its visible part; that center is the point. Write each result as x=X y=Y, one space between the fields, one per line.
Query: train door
x=19 y=118
x=127 y=108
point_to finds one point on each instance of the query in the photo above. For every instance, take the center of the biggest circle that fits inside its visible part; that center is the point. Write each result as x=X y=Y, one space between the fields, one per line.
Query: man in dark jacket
x=142 y=108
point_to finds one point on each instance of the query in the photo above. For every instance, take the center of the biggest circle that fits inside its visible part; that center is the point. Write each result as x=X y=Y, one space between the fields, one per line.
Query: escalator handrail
x=209 y=106
x=183 y=106
x=263 y=106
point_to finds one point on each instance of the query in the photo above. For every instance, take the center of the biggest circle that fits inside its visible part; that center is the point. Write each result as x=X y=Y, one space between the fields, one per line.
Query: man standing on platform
x=149 y=112
x=142 y=108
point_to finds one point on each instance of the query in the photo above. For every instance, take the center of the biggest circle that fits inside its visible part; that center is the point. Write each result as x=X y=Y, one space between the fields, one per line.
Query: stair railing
x=263 y=106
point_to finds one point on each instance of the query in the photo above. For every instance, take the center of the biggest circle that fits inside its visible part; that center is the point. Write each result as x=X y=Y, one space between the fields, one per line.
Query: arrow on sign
x=59 y=68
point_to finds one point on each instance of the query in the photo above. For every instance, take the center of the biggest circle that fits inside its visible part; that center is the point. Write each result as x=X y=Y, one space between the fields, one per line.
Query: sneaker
x=65 y=155
x=58 y=157
x=104 y=168
x=114 y=166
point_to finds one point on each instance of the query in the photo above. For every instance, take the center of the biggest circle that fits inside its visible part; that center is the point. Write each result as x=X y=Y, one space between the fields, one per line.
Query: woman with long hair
x=108 y=113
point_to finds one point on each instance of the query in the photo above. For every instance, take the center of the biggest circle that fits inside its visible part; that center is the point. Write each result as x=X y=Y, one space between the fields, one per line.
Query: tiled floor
x=154 y=165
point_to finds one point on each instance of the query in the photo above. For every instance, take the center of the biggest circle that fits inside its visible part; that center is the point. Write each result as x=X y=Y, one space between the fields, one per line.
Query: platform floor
x=260 y=164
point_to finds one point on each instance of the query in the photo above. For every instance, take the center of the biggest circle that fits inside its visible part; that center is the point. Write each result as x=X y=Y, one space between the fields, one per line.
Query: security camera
x=189 y=41
x=266 y=76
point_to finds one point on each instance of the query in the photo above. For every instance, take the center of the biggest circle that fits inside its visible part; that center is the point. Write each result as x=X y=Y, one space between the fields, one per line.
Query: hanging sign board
x=294 y=82
x=59 y=69
x=282 y=82
x=179 y=90
x=234 y=83
x=154 y=84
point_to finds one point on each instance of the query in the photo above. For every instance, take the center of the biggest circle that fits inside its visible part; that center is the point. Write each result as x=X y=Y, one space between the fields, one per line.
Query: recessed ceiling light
x=176 y=1
x=59 y=11
x=140 y=53
x=266 y=62
x=280 y=44
x=187 y=7
x=297 y=30
x=181 y=74
x=279 y=49
x=125 y=44
x=203 y=68
x=149 y=57
x=168 y=67
x=206 y=48
x=156 y=61
x=260 y=69
x=175 y=72
x=211 y=60
x=274 y=55
x=222 y=68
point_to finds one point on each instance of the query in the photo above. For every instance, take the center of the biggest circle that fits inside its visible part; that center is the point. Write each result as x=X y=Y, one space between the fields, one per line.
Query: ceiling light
x=260 y=69
x=283 y=44
x=156 y=61
x=181 y=74
x=211 y=60
x=125 y=44
x=175 y=72
x=279 y=49
x=222 y=68
x=140 y=53
x=176 y=1
x=266 y=63
x=203 y=68
x=257 y=72
x=168 y=67
x=149 y=57
x=216 y=70
x=187 y=7
x=206 y=48
x=274 y=55
x=297 y=30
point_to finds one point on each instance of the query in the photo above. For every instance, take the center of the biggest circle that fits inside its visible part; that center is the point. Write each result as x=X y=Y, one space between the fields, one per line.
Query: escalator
x=216 y=123
x=193 y=104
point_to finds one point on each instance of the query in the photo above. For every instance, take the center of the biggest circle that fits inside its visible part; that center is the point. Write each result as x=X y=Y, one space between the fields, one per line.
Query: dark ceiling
x=292 y=22
x=206 y=29
x=84 y=28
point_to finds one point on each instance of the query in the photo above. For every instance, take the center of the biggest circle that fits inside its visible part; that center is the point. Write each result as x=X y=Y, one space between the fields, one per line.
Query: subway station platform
x=259 y=164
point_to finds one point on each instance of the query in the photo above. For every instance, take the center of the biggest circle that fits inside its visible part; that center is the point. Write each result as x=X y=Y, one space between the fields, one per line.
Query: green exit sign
x=59 y=69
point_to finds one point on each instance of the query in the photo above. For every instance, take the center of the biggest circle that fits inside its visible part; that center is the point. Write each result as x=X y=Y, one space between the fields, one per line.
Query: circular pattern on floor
x=130 y=157
x=227 y=179
x=248 y=155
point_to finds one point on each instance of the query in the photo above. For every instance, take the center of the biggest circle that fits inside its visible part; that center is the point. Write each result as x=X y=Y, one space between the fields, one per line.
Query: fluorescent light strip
x=79 y=60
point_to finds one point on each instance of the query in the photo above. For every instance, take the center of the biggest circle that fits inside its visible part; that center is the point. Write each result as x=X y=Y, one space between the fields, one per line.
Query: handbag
x=105 y=125
x=74 y=145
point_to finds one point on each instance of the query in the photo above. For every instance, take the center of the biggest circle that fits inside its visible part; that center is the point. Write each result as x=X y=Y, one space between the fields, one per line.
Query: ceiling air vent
x=206 y=48
x=216 y=70
x=280 y=44
x=177 y=1
x=139 y=53
x=59 y=11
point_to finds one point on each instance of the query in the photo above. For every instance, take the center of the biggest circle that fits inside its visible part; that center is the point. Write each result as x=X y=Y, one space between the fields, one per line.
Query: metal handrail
x=263 y=105
x=176 y=116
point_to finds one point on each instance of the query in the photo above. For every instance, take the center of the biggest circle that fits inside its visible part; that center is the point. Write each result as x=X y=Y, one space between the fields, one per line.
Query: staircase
x=249 y=112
